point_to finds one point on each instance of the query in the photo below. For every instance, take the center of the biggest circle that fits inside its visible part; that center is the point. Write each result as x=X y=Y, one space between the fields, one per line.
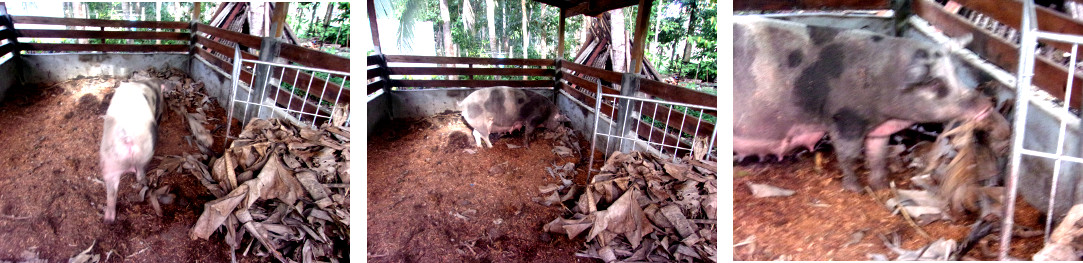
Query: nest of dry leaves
x=282 y=189
x=644 y=208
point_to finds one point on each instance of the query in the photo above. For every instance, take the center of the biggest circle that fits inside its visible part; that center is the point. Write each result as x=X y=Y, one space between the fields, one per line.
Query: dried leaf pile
x=283 y=190
x=642 y=208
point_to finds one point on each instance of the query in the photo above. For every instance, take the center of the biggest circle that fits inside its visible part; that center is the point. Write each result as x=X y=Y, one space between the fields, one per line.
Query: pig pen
x=829 y=223
x=430 y=200
x=53 y=196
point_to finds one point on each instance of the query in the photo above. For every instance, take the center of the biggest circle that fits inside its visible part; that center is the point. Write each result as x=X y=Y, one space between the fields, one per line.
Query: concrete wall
x=218 y=85
x=51 y=68
x=378 y=110
x=428 y=102
x=8 y=76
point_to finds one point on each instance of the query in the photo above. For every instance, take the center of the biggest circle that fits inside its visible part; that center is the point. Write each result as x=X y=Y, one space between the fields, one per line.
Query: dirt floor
x=824 y=222
x=428 y=201
x=51 y=194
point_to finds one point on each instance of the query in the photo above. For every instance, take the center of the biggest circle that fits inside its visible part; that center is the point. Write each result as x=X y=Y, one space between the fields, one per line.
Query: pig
x=128 y=136
x=503 y=110
x=795 y=83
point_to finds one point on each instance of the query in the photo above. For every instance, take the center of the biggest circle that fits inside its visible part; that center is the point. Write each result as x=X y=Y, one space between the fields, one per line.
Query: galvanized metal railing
x=1025 y=72
x=623 y=134
x=306 y=115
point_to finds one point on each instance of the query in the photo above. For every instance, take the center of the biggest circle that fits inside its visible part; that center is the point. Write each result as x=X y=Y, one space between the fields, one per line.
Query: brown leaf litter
x=284 y=185
x=643 y=208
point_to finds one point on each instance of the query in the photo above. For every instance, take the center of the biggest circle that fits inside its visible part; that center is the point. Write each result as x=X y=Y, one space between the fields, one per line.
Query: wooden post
x=268 y=51
x=560 y=34
x=374 y=28
x=195 y=12
x=278 y=18
x=627 y=117
x=556 y=79
x=642 y=20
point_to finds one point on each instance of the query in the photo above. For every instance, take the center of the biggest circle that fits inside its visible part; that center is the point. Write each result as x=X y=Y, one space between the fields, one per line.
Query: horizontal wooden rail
x=243 y=39
x=315 y=86
x=810 y=5
x=677 y=94
x=374 y=86
x=470 y=83
x=470 y=71
x=678 y=120
x=103 y=47
x=373 y=60
x=605 y=75
x=587 y=85
x=42 y=33
x=375 y=72
x=225 y=50
x=1048 y=75
x=246 y=75
x=656 y=135
x=97 y=22
x=586 y=99
x=1008 y=12
x=314 y=58
x=7 y=33
x=6 y=48
x=468 y=60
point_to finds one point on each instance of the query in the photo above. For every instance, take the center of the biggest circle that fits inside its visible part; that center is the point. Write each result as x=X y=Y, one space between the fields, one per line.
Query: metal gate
x=1024 y=74
x=623 y=138
x=268 y=78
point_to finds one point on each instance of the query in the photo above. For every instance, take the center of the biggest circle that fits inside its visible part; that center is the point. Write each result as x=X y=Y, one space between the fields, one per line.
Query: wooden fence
x=214 y=45
x=575 y=79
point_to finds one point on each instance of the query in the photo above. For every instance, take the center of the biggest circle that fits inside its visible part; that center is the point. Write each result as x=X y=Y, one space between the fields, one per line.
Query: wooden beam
x=1007 y=13
x=596 y=7
x=610 y=76
x=470 y=71
x=43 y=33
x=643 y=18
x=375 y=85
x=587 y=99
x=103 y=47
x=469 y=60
x=196 y=12
x=677 y=94
x=278 y=19
x=243 y=39
x=97 y=22
x=470 y=83
x=314 y=58
x=373 y=27
x=6 y=48
x=741 y=5
x=373 y=60
x=587 y=85
x=1049 y=76
x=560 y=33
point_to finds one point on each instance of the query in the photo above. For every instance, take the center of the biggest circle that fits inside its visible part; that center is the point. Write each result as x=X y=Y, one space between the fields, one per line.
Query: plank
x=1008 y=13
x=374 y=86
x=610 y=76
x=742 y=5
x=225 y=50
x=470 y=83
x=103 y=47
x=677 y=94
x=246 y=76
x=375 y=72
x=587 y=85
x=319 y=87
x=470 y=71
x=6 y=48
x=1049 y=76
x=41 y=33
x=243 y=39
x=314 y=58
x=41 y=20
x=468 y=60
x=587 y=99
x=676 y=119
x=373 y=60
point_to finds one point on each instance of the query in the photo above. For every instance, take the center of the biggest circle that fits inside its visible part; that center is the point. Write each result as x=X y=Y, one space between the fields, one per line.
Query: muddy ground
x=428 y=201
x=824 y=222
x=51 y=194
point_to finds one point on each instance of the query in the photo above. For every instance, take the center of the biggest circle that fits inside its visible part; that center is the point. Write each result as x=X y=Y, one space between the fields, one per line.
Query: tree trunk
x=618 y=43
x=445 y=28
x=313 y=20
x=490 y=9
x=688 y=37
x=327 y=18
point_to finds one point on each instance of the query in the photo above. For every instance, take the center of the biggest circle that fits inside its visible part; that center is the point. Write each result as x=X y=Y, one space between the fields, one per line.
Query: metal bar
x=346 y=78
x=233 y=89
x=1027 y=44
x=296 y=67
x=594 y=134
x=1059 y=37
x=661 y=101
x=1060 y=146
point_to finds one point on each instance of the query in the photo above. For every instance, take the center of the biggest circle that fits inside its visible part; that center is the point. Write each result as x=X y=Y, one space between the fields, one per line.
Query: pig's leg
x=526 y=135
x=111 y=177
x=477 y=138
x=848 y=150
x=875 y=149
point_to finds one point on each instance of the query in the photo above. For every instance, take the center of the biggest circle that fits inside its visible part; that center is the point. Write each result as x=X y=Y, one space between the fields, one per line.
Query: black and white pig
x=794 y=83
x=128 y=136
x=503 y=110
